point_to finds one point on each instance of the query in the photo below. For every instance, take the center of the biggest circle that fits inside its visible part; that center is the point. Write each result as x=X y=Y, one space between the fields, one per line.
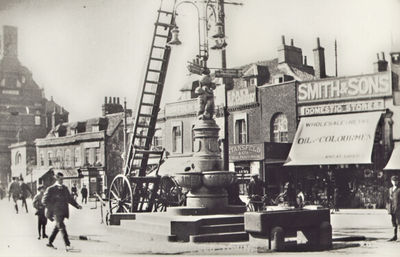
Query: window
x=157 y=139
x=77 y=157
x=18 y=158
x=241 y=131
x=87 y=156
x=97 y=156
x=67 y=161
x=50 y=158
x=253 y=82
x=41 y=157
x=177 y=138
x=95 y=128
x=280 y=128
x=59 y=158
x=37 y=120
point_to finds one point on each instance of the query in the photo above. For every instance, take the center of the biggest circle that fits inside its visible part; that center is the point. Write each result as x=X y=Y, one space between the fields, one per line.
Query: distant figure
x=38 y=205
x=288 y=196
x=25 y=192
x=335 y=200
x=256 y=192
x=14 y=191
x=394 y=205
x=56 y=200
x=300 y=198
x=84 y=194
x=74 y=191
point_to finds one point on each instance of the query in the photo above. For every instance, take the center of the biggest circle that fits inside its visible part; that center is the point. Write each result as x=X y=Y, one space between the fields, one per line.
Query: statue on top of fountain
x=205 y=98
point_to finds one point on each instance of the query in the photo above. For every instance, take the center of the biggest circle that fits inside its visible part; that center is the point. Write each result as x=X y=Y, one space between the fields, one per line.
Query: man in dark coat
x=394 y=205
x=42 y=220
x=256 y=192
x=84 y=194
x=56 y=199
x=14 y=191
x=25 y=192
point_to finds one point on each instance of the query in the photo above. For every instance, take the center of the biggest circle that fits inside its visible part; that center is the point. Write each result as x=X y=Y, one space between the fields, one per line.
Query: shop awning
x=394 y=161
x=37 y=174
x=334 y=139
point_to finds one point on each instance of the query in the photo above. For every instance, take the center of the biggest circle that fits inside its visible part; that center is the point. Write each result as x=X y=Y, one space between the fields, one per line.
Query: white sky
x=83 y=50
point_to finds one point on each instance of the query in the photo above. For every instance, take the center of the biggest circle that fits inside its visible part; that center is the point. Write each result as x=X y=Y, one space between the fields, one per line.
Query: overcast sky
x=82 y=50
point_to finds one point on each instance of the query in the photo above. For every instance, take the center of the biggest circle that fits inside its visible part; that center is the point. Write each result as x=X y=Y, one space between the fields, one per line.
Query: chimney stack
x=283 y=40
x=105 y=99
x=292 y=42
x=305 y=60
x=319 y=61
x=10 y=41
x=381 y=64
x=289 y=53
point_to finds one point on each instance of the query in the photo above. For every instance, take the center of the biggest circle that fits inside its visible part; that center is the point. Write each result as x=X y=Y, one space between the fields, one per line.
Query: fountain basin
x=214 y=179
x=191 y=180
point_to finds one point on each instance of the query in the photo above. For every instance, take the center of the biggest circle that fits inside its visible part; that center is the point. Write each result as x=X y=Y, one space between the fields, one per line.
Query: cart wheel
x=120 y=195
x=168 y=194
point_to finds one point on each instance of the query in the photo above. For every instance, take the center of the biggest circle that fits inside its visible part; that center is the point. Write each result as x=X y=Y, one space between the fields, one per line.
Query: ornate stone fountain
x=206 y=180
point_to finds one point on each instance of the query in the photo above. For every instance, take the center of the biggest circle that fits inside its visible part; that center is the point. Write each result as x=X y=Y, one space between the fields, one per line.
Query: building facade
x=25 y=113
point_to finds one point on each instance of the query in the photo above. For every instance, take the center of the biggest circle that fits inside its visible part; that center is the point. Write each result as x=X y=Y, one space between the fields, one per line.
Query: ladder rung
x=164 y=24
x=141 y=136
x=160 y=47
x=147 y=104
x=142 y=126
x=146 y=115
x=166 y=12
x=149 y=93
x=159 y=35
x=139 y=147
x=150 y=151
x=158 y=71
x=156 y=59
x=153 y=82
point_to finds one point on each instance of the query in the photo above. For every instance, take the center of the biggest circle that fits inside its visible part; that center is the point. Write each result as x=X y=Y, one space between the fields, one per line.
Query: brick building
x=25 y=113
x=95 y=146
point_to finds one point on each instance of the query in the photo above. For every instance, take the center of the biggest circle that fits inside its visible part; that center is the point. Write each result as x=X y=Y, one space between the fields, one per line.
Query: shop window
x=37 y=120
x=50 y=158
x=280 y=128
x=177 y=138
x=97 y=156
x=67 y=158
x=77 y=157
x=59 y=158
x=241 y=131
x=18 y=158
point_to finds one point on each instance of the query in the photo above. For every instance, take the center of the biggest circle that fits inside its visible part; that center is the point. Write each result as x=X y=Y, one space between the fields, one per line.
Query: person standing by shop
x=38 y=205
x=255 y=192
x=14 y=191
x=74 y=191
x=394 y=205
x=84 y=194
x=25 y=192
x=56 y=200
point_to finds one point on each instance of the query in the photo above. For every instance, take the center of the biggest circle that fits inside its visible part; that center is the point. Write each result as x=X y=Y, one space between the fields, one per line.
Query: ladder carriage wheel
x=120 y=195
x=169 y=194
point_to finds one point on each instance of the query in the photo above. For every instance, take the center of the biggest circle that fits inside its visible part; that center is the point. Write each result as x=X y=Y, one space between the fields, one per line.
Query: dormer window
x=95 y=128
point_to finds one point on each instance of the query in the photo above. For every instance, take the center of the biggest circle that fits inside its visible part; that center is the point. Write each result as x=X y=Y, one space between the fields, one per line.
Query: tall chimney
x=105 y=100
x=292 y=42
x=305 y=60
x=283 y=40
x=109 y=100
x=319 y=61
x=381 y=64
x=10 y=41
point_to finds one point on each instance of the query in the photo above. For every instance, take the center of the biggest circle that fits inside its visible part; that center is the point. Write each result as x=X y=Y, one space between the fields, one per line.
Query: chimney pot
x=109 y=100
x=283 y=40
x=383 y=55
x=117 y=100
x=377 y=56
x=105 y=99
x=292 y=42
x=318 y=43
x=305 y=60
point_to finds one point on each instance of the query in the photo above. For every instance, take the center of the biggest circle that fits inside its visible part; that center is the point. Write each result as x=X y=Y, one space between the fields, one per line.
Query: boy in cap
x=394 y=205
x=42 y=220
x=56 y=199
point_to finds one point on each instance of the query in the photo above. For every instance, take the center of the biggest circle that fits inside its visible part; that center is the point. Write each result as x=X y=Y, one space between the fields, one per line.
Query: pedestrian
x=255 y=192
x=38 y=205
x=394 y=205
x=300 y=198
x=25 y=192
x=74 y=191
x=288 y=196
x=56 y=200
x=84 y=194
x=14 y=191
x=335 y=200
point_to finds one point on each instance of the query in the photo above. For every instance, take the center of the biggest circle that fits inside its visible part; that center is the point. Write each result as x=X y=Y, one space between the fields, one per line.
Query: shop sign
x=181 y=108
x=355 y=87
x=246 y=152
x=347 y=107
x=241 y=96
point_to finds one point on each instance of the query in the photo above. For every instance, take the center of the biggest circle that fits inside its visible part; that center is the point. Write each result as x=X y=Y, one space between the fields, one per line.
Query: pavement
x=18 y=237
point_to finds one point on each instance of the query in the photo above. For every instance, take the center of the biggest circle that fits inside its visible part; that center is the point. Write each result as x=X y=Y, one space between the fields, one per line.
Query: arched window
x=18 y=158
x=59 y=158
x=67 y=158
x=279 y=128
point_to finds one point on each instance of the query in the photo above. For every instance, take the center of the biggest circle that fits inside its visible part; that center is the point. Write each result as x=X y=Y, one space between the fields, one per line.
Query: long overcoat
x=56 y=199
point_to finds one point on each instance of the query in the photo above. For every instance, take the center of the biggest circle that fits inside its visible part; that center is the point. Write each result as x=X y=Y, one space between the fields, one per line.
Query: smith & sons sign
x=246 y=152
x=346 y=107
x=363 y=86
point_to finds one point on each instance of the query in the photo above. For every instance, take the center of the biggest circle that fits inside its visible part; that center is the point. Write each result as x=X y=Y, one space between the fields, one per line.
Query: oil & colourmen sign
x=339 y=89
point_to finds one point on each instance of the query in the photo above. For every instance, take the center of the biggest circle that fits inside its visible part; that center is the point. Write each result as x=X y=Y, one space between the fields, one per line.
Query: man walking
x=394 y=205
x=42 y=220
x=84 y=194
x=14 y=191
x=56 y=200
x=25 y=192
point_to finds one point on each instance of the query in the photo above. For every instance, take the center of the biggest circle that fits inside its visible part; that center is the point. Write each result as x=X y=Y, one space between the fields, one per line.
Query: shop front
x=343 y=140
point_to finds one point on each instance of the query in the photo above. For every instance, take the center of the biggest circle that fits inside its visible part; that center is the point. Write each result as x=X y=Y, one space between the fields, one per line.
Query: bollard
x=325 y=235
